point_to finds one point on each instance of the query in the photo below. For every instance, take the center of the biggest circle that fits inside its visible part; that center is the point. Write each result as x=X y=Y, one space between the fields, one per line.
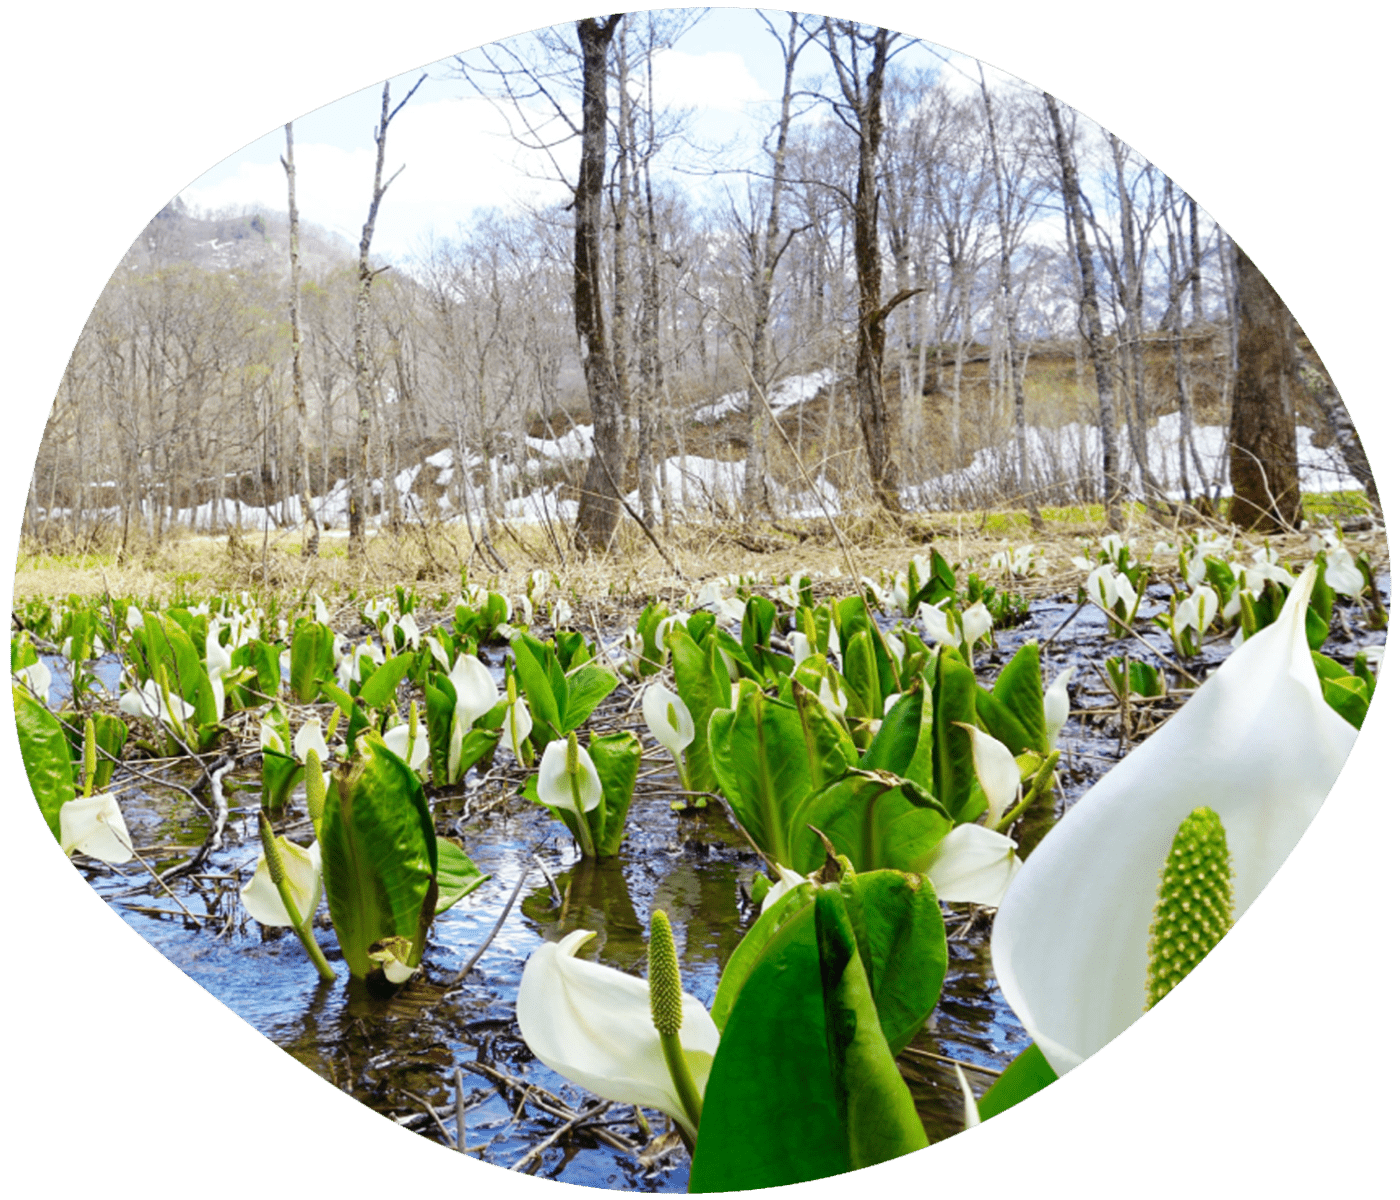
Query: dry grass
x=441 y=559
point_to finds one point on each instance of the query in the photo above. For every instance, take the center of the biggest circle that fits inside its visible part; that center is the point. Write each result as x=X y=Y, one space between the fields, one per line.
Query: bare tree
x=1263 y=437
x=859 y=57
x=600 y=500
x=364 y=394
x=1090 y=320
x=312 y=538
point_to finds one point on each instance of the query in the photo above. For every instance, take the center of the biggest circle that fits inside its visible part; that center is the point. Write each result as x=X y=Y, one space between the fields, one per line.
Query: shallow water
x=401 y=1056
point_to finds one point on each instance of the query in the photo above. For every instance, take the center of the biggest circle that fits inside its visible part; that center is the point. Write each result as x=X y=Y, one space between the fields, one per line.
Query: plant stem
x=681 y=1076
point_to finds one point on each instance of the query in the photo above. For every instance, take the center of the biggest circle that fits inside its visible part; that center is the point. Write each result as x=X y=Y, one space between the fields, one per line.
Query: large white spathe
x=1258 y=744
x=592 y=1025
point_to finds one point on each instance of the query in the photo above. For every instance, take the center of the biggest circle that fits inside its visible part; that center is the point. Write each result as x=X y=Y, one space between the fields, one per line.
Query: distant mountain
x=249 y=240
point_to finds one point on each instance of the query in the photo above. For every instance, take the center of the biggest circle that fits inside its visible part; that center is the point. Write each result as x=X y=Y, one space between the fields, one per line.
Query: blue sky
x=727 y=69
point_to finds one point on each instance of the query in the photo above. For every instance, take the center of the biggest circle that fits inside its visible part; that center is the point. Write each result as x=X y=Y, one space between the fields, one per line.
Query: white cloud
x=717 y=79
x=456 y=155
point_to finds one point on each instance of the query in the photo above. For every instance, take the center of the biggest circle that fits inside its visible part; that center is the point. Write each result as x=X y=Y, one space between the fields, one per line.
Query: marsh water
x=401 y=1056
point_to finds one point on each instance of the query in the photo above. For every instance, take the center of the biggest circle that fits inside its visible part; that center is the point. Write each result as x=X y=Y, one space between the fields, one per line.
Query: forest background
x=1279 y=130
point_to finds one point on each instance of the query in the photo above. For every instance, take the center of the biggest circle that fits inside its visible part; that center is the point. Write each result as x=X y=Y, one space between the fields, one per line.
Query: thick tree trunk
x=1263 y=439
x=1090 y=320
x=599 y=500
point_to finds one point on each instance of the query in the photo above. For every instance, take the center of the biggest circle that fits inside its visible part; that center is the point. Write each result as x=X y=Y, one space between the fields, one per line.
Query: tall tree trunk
x=311 y=537
x=600 y=501
x=865 y=97
x=1090 y=320
x=1263 y=439
x=1008 y=311
x=364 y=392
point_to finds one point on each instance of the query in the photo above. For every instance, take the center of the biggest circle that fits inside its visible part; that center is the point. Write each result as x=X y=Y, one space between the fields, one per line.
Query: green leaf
x=111 y=734
x=313 y=655
x=760 y=759
x=547 y=704
x=875 y=819
x=587 y=687
x=378 y=856
x=280 y=773
x=803 y=1085
x=954 y=690
x=750 y=949
x=47 y=761
x=830 y=750
x=457 y=876
x=1347 y=695
x=377 y=689
x=904 y=744
x=1027 y=1074
x=1019 y=690
x=703 y=684
x=757 y=625
x=441 y=702
x=617 y=756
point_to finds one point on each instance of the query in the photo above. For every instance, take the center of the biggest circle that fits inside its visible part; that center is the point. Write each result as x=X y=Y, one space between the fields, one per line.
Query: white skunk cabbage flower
x=787 y=880
x=518 y=725
x=973 y=865
x=976 y=622
x=310 y=737
x=411 y=633
x=1108 y=587
x=593 y=1025
x=668 y=718
x=435 y=648
x=318 y=608
x=1342 y=574
x=476 y=696
x=149 y=701
x=414 y=751
x=996 y=769
x=1057 y=706
x=303 y=867
x=38 y=679
x=1197 y=611
x=1258 y=744
x=554 y=786
x=94 y=825
x=939 y=623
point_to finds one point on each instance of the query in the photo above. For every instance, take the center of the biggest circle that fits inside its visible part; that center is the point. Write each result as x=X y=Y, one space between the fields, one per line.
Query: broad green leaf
x=313 y=659
x=617 y=756
x=441 y=698
x=954 y=689
x=280 y=774
x=877 y=820
x=803 y=1085
x=863 y=674
x=757 y=625
x=830 y=750
x=378 y=856
x=457 y=876
x=751 y=948
x=1019 y=689
x=111 y=734
x=904 y=744
x=587 y=687
x=47 y=762
x=760 y=759
x=377 y=690
x=547 y=703
x=1347 y=696
x=703 y=683
x=905 y=948
x=1027 y=1074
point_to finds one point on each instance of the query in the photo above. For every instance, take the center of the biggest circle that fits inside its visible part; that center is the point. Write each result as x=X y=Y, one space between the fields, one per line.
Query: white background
x=1268 y=1073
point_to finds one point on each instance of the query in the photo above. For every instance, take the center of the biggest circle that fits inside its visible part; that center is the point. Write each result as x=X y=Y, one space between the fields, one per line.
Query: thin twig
x=495 y=929
x=536 y=1150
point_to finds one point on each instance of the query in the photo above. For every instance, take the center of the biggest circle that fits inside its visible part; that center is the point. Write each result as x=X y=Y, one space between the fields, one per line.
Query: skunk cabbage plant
x=1258 y=745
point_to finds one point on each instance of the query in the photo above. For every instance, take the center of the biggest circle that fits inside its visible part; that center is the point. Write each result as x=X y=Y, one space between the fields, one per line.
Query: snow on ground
x=1058 y=459
x=794 y=390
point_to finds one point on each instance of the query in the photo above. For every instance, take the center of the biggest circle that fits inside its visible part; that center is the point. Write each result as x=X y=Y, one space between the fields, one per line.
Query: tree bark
x=1263 y=439
x=600 y=503
x=1090 y=320
x=364 y=393
x=311 y=538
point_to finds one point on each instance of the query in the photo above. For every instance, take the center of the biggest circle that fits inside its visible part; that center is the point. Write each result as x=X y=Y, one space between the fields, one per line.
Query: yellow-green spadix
x=1258 y=745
